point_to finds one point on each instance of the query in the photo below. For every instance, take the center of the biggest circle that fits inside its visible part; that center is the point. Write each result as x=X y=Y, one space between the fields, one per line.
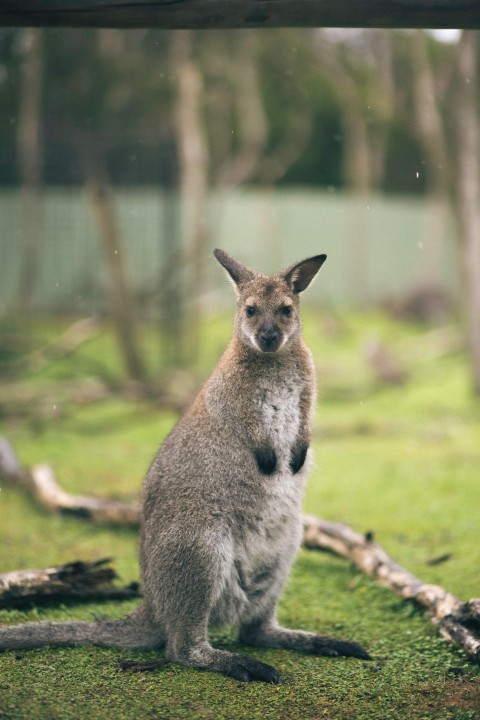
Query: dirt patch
x=462 y=693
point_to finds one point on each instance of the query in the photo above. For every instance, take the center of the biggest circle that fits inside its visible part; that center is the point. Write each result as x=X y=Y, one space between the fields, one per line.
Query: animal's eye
x=287 y=310
x=250 y=311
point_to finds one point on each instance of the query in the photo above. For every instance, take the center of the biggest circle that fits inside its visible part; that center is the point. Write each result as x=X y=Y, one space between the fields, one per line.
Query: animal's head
x=268 y=306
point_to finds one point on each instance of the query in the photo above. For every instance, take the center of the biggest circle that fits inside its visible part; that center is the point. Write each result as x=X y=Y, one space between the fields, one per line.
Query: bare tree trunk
x=193 y=164
x=122 y=305
x=171 y=285
x=382 y=48
x=431 y=134
x=30 y=162
x=357 y=174
x=468 y=189
x=357 y=161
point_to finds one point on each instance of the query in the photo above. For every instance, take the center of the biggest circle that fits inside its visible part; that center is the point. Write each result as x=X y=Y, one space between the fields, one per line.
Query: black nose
x=269 y=338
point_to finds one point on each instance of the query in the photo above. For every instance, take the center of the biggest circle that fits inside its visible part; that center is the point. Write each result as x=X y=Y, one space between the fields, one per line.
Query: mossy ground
x=400 y=461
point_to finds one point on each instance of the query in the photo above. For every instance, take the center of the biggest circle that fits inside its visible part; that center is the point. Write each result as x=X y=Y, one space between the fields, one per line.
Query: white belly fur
x=280 y=415
x=275 y=541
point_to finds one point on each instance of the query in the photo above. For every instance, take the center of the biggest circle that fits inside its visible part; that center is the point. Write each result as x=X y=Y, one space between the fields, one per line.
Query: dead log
x=41 y=483
x=76 y=581
x=457 y=621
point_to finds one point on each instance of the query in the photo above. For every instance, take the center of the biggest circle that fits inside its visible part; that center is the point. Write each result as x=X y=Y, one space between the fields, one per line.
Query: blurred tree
x=87 y=95
x=285 y=82
x=467 y=185
x=363 y=82
x=116 y=85
x=258 y=110
x=30 y=152
x=110 y=45
x=430 y=129
x=224 y=134
x=122 y=304
x=445 y=91
x=193 y=184
x=272 y=112
x=235 y=107
x=357 y=162
x=257 y=107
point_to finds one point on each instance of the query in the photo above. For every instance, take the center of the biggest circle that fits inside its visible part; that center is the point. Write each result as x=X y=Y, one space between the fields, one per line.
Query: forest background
x=247 y=139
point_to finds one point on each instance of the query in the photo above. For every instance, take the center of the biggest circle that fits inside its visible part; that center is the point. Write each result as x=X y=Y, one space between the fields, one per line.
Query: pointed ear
x=300 y=276
x=239 y=273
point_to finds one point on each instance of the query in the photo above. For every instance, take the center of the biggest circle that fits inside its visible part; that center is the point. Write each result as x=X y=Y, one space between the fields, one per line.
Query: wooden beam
x=171 y=14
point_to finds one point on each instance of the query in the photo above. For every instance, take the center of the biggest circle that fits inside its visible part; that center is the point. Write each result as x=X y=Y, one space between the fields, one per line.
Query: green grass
x=401 y=461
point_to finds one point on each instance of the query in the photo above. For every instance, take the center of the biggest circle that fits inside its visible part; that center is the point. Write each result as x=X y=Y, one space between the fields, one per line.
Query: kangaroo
x=221 y=520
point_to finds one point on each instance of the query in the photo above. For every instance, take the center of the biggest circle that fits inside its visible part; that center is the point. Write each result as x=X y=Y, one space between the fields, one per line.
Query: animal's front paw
x=298 y=455
x=266 y=460
x=324 y=645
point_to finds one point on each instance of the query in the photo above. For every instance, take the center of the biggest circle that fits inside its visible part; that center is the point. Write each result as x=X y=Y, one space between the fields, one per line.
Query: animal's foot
x=240 y=667
x=246 y=669
x=324 y=645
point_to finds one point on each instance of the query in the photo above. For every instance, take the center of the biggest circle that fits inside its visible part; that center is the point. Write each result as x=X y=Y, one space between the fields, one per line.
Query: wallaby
x=222 y=518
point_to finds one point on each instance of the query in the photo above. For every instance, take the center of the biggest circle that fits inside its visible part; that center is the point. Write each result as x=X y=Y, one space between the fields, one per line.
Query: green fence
x=377 y=248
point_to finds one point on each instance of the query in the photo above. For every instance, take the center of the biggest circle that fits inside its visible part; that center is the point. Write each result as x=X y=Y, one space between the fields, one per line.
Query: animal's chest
x=278 y=411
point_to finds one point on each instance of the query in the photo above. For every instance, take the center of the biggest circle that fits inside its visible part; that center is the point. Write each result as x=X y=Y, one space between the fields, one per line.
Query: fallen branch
x=457 y=621
x=76 y=581
x=41 y=483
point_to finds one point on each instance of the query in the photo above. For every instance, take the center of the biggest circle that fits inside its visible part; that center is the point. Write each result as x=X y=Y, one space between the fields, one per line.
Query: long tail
x=135 y=632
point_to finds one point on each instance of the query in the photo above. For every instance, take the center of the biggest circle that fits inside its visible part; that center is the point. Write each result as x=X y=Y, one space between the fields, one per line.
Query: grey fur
x=222 y=499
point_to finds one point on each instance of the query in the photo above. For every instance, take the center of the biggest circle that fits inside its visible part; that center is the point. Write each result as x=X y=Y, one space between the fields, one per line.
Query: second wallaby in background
x=222 y=500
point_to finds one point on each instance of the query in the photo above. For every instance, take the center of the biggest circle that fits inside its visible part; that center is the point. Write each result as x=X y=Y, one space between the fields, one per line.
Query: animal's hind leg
x=196 y=581
x=267 y=633
x=138 y=631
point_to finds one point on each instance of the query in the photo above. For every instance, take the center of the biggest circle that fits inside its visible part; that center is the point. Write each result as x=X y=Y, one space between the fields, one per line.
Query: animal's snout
x=269 y=337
